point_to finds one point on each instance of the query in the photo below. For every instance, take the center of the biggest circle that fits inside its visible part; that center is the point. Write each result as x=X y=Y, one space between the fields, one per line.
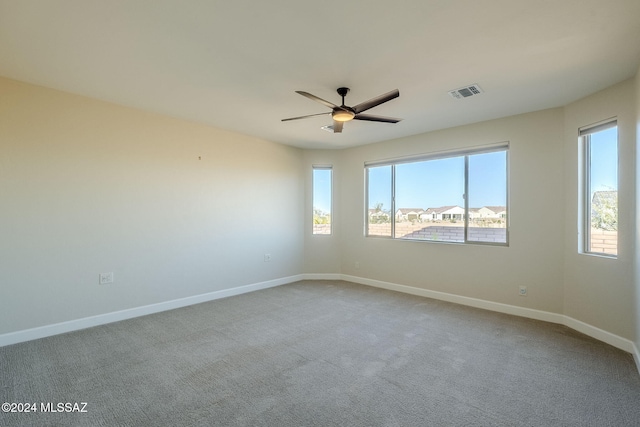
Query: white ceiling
x=236 y=64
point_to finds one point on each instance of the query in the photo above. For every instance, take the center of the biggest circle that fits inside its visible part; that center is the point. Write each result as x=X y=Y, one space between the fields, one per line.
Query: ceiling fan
x=343 y=113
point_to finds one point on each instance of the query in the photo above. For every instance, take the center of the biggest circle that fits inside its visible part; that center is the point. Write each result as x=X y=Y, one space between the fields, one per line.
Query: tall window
x=600 y=183
x=380 y=211
x=322 y=199
x=454 y=197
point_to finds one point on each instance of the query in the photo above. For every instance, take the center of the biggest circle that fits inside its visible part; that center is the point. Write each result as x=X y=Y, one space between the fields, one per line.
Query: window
x=452 y=197
x=380 y=210
x=322 y=199
x=487 y=197
x=600 y=183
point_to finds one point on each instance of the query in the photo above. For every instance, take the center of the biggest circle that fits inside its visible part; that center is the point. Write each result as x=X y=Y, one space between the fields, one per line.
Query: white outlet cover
x=105 y=278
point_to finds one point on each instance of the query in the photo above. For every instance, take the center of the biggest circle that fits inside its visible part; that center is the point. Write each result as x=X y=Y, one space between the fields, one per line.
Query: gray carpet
x=323 y=353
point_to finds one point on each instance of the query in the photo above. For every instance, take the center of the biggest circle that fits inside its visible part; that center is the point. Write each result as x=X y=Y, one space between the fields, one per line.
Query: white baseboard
x=592 y=331
x=636 y=356
x=116 y=316
x=322 y=276
x=87 y=322
x=600 y=335
x=457 y=299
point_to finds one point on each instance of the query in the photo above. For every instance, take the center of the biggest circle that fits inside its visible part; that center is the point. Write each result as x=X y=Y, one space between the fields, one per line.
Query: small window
x=600 y=184
x=322 y=176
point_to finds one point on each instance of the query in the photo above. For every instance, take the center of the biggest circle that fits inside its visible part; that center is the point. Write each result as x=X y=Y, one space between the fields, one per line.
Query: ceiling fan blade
x=337 y=126
x=320 y=100
x=364 y=106
x=371 y=118
x=304 y=117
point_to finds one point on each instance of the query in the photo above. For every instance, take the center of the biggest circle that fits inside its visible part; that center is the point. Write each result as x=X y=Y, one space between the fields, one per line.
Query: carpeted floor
x=323 y=353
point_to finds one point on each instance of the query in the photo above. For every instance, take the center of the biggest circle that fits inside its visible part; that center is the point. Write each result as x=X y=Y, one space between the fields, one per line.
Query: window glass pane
x=602 y=191
x=322 y=200
x=488 y=197
x=379 y=200
x=429 y=200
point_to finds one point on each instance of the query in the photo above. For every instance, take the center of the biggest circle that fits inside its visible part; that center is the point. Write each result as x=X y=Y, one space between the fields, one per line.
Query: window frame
x=314 y=168
x=584 y=209
x=465 y=152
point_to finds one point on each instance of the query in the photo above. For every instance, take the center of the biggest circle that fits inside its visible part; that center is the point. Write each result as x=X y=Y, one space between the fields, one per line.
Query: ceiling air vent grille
x=466 y=92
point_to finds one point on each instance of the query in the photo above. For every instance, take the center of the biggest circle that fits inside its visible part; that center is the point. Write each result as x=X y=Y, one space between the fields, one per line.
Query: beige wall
x=600 y=291
x=543 y=251
x=173 y=208
x=322 y=253
x=637 y=221
x=534 y=256
x=177 y=209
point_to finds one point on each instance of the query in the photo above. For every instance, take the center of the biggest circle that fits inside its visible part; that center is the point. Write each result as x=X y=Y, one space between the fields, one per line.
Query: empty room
x=337 y=213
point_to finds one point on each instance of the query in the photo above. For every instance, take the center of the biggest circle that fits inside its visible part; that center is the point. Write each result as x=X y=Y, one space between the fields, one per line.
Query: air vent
x=466 y=92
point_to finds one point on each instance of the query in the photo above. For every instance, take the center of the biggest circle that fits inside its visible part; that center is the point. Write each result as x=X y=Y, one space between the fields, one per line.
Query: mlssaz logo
x=63 y=407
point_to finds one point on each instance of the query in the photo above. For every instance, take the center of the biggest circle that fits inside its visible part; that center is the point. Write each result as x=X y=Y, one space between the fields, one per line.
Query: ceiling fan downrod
x=343 y=91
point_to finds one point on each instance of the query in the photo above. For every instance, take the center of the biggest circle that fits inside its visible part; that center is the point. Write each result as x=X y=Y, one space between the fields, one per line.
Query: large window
x=322 y=199
x=600 y=184
x=452 y=197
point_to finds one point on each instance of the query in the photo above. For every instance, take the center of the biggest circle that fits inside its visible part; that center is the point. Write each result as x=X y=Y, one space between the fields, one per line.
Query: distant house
x=449 y=213
x=408 y=214
x=492 y=212
x=428 y=215
x=474 y=213
x=379 y=214
x=443 y=213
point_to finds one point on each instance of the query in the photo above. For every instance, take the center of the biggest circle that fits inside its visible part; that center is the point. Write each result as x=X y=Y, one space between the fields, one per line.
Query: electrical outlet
x=522 y=291
x=105 y=278
x=267 y=257
x=357 y=265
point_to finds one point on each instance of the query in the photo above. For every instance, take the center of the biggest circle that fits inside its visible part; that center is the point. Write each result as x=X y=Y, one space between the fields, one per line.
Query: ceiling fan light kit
x=343 y=113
